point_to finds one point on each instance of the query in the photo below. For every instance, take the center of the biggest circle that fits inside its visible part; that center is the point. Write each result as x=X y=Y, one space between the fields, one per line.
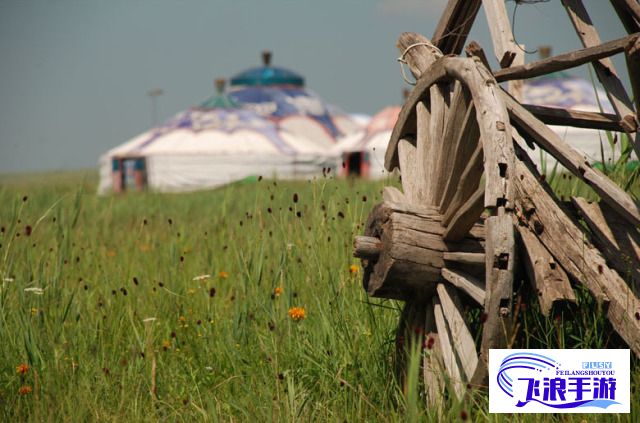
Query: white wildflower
x=201 y=277
x=35 y=290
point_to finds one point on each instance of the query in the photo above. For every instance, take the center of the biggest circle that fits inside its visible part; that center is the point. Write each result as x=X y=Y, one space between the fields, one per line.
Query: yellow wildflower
x=277 y=291
x=297 y=313
x=166 y=344
x=223 y=274
x=354 y=268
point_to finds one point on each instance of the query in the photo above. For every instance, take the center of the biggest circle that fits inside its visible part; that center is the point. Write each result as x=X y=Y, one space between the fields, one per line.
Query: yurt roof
x=267 y=75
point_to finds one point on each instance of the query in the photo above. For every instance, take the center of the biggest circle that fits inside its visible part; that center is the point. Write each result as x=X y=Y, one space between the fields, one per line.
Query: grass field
x=238 y=304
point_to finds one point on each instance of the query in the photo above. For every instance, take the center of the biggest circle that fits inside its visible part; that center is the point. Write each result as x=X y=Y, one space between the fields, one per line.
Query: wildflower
x=8 y=279
x=277 y=291
x=166 y=344
x=22 y=368
x=111 y=253
x=353 y=269
x=223 y=275
x=297 y=313
x=25 y=390
x=201 y=277
x=191 y=291
x=149 y=319
x=34 y=311
x=35 y=290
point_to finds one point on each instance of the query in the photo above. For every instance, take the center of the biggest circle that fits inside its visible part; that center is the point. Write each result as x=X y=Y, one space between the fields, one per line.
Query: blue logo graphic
x=568 y=389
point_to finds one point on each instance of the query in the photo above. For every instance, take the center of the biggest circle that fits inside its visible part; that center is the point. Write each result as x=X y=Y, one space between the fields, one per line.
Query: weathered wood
x=626 y=10
x=462 y=340
x=605 y=71
x=367 y=247
x=530 y=127
x=618 y=242
x=504 y=46
x=436 y=128
x=578 y=119
x=549 y=281
x=564 y=61
x=455 y=143
x=410 y=172
x=411 y=251
x=632 y=55
x=448 y=356
x=425 y=150
x=466 y=216
x=490 y=113
x=466 y=161
x=475 y=50
x=393 y=194
x=418 y=53
x=455 y=24
x=466 y=184
x=467 y=283
x=469 y=259
x=499 y=265
x=578 y=257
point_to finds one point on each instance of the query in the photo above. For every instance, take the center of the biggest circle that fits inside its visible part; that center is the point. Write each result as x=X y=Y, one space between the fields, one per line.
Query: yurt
x=280 y=95
x=363 y=151
x=208 y=146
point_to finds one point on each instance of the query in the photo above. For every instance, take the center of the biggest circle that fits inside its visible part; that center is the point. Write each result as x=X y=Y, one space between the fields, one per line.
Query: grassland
x=148 y=307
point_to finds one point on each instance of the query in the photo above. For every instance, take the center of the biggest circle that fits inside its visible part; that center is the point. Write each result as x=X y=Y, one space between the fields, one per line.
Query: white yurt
x=208 y=146
x=363 y=151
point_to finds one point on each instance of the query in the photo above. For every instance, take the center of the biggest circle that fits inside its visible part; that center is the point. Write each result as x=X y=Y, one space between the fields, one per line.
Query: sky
x=75 y=74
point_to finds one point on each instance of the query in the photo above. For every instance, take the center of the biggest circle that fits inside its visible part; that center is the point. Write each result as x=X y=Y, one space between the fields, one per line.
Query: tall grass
x=151 y=307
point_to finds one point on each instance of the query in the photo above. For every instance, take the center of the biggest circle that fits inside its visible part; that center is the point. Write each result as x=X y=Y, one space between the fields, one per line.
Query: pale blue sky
x=74 y=74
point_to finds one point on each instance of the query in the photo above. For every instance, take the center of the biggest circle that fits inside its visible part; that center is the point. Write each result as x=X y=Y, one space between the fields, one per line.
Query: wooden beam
x=454 y=25
x=575 y=162
x=632 y=56
x=465 y=217
x=604 y=68
x=466 y=283
x=549 y=281
x=624 y=9
x=475 y=50
x=564 y=61
x=504 y=46
x=461 y=336
x=618 y=242
x=577 y=256
x=578 y=119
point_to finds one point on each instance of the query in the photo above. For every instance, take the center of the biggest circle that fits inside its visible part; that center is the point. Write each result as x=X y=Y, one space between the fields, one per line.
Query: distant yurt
x=208 y=146
x=363 y=152
x=280 y=95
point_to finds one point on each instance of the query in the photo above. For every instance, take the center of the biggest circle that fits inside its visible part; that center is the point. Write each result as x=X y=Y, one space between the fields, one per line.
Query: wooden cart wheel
x=445 y=244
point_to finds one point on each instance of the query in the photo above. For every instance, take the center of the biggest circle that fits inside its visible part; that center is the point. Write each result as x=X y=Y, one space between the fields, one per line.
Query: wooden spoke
x=455 y=24
x=448 y=356
x=432 y=362
x=466 y=283
x=436 y=128
x=467 y=184
x=462 y=338
x=410 y=175
x=466 y=216
x=425 y=150
x=465 y=259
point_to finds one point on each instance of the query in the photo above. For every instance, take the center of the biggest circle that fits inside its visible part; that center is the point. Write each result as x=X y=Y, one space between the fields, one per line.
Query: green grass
x=121 y=297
